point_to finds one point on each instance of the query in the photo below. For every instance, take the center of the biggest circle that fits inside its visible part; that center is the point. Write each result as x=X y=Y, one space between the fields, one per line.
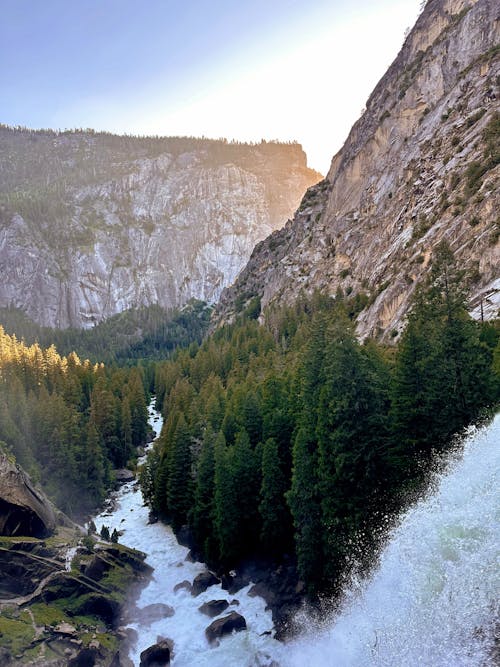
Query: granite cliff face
x=420 y=165
x=92 y=224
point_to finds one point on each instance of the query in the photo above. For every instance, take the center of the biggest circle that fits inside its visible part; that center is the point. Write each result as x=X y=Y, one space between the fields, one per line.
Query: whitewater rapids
x=433 y=599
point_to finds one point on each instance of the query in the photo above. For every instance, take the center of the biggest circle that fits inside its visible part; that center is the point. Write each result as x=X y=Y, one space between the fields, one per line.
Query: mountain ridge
x=93 y=223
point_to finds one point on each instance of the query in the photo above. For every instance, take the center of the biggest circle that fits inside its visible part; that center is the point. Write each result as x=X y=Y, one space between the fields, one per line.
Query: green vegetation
x=491 y=156
x=146 y=333
x=68 y=422
x=294 y=438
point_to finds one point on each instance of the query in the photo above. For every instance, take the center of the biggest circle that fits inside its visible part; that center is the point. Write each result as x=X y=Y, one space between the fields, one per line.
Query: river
x=432 y=601
x=253 y=647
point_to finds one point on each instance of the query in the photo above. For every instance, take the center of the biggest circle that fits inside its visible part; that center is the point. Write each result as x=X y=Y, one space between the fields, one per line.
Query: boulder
x=86 y=658
x=157 y=655
x=214 y=607
x=184 y=585
x=23 y=510
x=154 y=612
x=221 y=627
x=123 y=475
x=233 y=582
x=65 y=629
x=203 y=581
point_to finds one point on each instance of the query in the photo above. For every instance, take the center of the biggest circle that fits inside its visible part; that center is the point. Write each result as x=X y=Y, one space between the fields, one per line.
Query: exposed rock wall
x=91 y=224
x=23 y=510
x=420 y=165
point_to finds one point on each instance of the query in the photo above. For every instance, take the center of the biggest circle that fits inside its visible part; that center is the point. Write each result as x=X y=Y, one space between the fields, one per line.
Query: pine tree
x=180 y=483
x=202 y=516
x=442 y=374
x=304 y=497
x=276 y=520
x=226 y=514
x=352 y=435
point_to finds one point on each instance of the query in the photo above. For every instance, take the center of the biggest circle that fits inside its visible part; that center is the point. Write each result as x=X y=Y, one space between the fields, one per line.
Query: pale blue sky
x=285 y=69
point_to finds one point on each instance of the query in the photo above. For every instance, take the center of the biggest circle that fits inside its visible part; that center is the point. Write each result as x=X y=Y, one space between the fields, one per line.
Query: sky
x=266 y=69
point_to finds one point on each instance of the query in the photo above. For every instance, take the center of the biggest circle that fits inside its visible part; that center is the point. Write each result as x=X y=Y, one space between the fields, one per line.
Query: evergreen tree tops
x=69 y=422
x=293 y=438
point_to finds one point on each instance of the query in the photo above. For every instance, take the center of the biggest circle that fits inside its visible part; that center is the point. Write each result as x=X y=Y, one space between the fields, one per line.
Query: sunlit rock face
x=419 y=166
x=93 y=224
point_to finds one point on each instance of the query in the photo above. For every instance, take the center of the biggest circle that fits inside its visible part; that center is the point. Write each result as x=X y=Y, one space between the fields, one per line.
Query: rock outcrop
x=93 y=224
x=203 y=581
x=419 y=166
x=52 y=614
x=221 y=627
x=157 y=655
x=23 y=510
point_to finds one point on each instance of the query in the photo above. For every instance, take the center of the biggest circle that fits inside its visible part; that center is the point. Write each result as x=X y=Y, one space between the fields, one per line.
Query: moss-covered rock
x=52 y=613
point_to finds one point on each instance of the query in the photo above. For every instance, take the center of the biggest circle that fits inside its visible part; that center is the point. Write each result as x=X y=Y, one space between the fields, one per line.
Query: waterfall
x=431 y=600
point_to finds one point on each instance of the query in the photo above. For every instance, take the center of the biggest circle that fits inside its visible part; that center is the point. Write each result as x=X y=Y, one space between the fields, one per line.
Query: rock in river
x=214 y=607
x=157 y=655
x=204 y=581
x=221 y=627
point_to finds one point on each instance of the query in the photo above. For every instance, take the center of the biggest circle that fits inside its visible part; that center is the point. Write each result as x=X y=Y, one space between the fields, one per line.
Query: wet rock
x=20 y=573
x=152 y=517
x=233 y=582
x=135 y=559
x=86 y=658
x=124 y=475
x=154 y=612
x=185 y=537
x=5 y=656
x=234 y=603
x=157 y=655
x=221 y=627
x=97 y=568
x=189 y=557
x=214 y=607
x=184 y=585
x=203 y=581
x=261 y=590
x=102 y=606
x=23 y=510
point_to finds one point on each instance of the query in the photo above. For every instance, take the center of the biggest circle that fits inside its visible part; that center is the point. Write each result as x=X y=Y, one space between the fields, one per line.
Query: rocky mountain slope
x=92 y=224
x=419 y=166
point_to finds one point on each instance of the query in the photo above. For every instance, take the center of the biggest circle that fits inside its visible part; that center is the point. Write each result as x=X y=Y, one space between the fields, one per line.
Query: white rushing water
x=432 y=602
x=187 y=626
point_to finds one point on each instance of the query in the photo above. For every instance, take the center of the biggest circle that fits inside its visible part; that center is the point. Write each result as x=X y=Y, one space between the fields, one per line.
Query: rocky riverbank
x=62 y=593
x=62 y=599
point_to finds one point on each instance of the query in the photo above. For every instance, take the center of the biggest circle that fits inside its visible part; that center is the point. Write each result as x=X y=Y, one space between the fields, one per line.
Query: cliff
x=93 y=224
x=23 y=510
x=419 y=166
